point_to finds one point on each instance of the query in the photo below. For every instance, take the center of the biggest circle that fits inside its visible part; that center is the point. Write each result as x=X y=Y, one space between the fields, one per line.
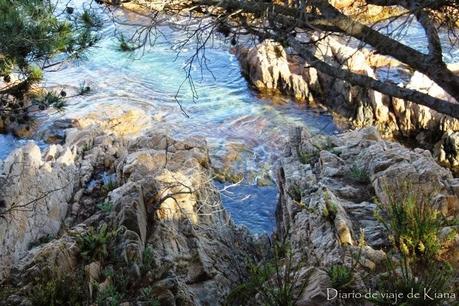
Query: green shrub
x=69 y=290
x=414 y=229
x=295 y=192
x=307 y=157
x=109 y=297
x=94 y=244
x=341 y=276
x=410 y=276
x=274 y=282
x=148 y=298
x=359 y=175
x=105 y=207
x=412 y=223
x=148 y=259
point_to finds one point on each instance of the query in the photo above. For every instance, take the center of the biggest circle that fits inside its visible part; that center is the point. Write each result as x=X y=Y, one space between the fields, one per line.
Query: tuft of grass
x=275 y=281
x=295 y=192
x=307 y=157
x=359 y=175
x=330 y=210
x=412 y=223
x=35 y=73
x=105 y=207
x=94 y=244
x=147 y=259
x=341 y=276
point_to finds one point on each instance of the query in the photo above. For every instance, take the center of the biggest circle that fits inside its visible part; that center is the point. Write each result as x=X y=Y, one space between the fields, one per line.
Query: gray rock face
x=327 y=197
x=35 y=189
x=159 y=200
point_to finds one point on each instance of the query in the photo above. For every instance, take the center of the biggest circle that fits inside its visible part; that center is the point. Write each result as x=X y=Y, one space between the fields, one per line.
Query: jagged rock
x=160 y=198
x=325 y=211
x=35 y=193
x=270 y=68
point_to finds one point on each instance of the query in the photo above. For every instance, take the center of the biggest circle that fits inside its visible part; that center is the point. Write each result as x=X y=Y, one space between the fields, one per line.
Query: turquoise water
x=7 y=144
x=227 y=111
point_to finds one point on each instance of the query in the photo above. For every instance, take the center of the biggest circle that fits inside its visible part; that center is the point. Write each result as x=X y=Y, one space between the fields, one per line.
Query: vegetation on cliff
x=35 y=37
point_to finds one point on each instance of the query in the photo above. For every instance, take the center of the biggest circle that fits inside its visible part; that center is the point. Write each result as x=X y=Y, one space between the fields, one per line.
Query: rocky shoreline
x=143 y=208
x=329 y=192
x=271 y=69
x=116 y=212
x=135 y=218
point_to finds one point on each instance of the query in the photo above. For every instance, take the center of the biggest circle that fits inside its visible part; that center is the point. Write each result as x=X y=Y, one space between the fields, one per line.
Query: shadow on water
x=250 y=205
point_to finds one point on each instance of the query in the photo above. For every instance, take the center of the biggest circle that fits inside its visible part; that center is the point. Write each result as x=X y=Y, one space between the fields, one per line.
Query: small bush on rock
x=412 y=223
x=359 y=175
x=274 y=282
x=415 y=266
x=94 y=244
x=56 y=291
x=340 y=276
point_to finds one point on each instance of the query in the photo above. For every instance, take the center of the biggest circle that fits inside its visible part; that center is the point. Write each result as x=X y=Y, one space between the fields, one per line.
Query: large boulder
x=267 y=67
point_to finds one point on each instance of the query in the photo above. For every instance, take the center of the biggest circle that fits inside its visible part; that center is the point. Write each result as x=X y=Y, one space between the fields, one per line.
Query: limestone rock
x=268 y=68
x=271 y=69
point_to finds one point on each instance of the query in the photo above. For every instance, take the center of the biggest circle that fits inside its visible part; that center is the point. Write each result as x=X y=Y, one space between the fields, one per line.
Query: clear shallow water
x=226 y=113
x=7 y=144
x=251 y=206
